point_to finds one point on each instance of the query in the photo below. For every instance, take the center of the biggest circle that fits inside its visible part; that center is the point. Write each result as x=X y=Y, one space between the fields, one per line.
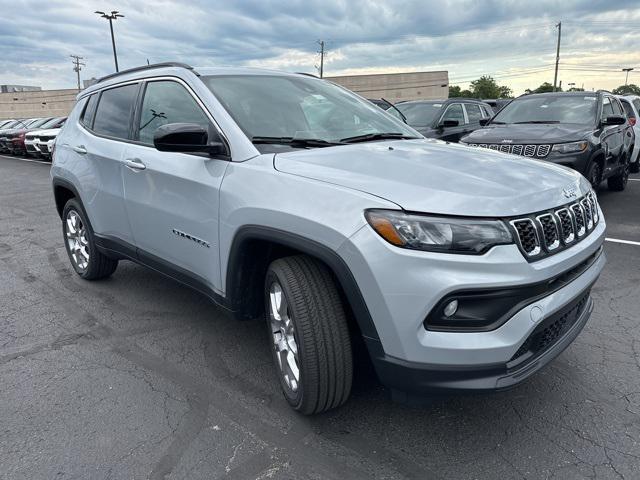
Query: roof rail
x=146 y=67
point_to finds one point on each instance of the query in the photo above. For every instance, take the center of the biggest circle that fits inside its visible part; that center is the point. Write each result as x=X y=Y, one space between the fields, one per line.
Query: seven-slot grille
x=545 y=233
x=538 y=151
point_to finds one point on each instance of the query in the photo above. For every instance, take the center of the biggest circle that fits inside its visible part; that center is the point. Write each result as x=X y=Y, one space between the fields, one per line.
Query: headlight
x=438 y=234
x=570 y=147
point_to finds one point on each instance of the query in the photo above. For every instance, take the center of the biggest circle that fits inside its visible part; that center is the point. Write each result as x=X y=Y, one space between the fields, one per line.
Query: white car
x=40 y=142
x=631 y=104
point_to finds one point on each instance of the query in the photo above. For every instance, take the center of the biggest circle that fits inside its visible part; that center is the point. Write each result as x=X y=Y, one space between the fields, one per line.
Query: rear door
x=98 y=146
x=454 y=111
x=172 y=199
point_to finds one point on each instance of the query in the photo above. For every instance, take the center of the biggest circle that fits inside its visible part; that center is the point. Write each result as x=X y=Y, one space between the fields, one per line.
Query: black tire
x=594 y=174
x=619 y=182
x=98 y=265
x=315 y=308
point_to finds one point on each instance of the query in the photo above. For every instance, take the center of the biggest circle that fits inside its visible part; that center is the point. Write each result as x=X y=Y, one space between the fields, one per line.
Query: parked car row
x=595 y=133
x=33 y=136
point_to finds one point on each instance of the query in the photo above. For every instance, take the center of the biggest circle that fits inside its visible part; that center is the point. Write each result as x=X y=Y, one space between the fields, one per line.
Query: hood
x=435 y=177
x=52 y=132
x=530 y=133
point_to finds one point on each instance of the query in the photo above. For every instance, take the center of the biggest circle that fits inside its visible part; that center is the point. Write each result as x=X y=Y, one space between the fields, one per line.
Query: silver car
x=287 y=196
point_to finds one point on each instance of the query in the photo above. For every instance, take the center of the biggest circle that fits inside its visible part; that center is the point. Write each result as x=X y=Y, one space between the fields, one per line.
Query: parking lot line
x=626 y=242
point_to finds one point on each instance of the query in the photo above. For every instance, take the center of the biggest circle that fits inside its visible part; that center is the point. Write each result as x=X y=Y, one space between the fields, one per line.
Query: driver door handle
x=81 y=149
x=135 y=164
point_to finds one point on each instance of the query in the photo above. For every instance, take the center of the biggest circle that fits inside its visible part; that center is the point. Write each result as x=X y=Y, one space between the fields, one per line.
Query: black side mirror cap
x=449 y=123
x=188 y=138
x=614 y=120
x=484 y=121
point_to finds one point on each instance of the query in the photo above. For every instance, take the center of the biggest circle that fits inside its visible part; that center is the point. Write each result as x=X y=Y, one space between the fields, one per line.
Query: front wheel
x=618 y=182
x=308 y=333
x=594 y=175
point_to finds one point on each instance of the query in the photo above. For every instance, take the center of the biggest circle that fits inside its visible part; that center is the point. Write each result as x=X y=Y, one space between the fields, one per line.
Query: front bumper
x=31 y=145
x=577 y=161
x=401 y=287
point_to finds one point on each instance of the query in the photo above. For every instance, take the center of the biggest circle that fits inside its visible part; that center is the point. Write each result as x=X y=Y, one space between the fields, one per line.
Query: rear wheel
x=618 y=182
x=309 y=334
x=79 y=241
x=594 y=174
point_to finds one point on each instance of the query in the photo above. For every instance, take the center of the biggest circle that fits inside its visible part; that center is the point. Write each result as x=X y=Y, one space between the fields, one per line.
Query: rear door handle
x=135 y=164
x=80 y=149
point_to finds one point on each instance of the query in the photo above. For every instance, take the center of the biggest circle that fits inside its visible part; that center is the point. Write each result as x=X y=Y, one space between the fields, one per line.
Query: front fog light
x=451 y=308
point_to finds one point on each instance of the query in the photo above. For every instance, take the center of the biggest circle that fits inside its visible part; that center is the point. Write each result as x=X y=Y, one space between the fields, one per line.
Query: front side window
x=454 y=112
x=607 y=108
x=114 y=111
x=296 y=107
x=167 y=102
x=473 y=112
x=549 y=108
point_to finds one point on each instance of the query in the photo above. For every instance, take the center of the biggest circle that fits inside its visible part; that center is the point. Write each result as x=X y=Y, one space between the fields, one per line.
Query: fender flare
x=336 y=264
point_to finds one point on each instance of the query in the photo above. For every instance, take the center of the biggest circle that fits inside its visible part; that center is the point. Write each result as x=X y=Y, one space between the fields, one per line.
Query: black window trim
x=138 y=105
x=447 y=107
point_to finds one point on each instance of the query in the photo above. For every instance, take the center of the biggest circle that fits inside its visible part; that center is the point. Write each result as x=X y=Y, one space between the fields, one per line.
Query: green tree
x=575 y=89
x=630 y=89
x=487 y=87
x=545 y=88
x=456 y=91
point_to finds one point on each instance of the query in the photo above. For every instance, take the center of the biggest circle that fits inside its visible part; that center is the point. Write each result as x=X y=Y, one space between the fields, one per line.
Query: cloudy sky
x=512 y=40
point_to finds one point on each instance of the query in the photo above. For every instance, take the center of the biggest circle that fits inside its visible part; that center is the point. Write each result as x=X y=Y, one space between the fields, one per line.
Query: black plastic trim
x=234 y=284
x=143 y=68
x=411 y=380
x=119 y=249
x=492 y=311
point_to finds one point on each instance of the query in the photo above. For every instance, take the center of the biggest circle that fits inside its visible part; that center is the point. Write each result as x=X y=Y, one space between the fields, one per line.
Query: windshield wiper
x=391 y=105
x=538 y=121
x=367 y=137
x=294 y=142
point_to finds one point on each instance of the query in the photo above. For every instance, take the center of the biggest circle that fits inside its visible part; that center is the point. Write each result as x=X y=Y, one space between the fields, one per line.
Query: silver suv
x=287 y=196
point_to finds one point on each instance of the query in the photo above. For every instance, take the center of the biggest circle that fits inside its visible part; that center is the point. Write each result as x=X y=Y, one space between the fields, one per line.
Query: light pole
x=626 y=80
x=111 y=17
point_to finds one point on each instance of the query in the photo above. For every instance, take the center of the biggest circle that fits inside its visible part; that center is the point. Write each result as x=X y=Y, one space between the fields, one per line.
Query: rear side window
x=636 y=103
x=89 y=111
x=167 y=102
x=114 y=111
x=473 y=112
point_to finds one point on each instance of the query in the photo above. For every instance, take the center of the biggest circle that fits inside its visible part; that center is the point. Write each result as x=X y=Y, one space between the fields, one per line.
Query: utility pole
x=626 y=80
x=321 y=42
x=555 y=77
x=77 y=67
x=114 y=15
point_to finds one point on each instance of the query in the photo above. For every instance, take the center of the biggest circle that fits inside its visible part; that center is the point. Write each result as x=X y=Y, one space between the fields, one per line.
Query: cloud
x=512 y=40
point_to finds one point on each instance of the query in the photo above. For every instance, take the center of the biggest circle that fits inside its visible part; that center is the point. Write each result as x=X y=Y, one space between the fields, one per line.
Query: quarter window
x=89 y=111
x=114 y=111
x=617 y=109
x=167 y=102
x=454 y=112
x=473 y=112
x=636 y=103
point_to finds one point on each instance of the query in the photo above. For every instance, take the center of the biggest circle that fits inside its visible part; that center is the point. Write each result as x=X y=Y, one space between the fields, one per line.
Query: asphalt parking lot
x=140 y=377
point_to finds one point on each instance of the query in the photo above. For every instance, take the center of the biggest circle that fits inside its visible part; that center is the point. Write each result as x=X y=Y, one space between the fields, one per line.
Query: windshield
x=289 y=107
x=51 y=123
x=549 y=109
x=38 y=123
x=420 y=114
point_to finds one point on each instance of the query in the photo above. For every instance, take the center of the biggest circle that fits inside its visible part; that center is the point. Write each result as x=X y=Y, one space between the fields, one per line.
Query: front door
x=172 y=199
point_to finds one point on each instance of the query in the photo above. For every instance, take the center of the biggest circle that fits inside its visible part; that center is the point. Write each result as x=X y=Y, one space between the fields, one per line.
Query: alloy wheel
x=283 y=337
x=76 y=233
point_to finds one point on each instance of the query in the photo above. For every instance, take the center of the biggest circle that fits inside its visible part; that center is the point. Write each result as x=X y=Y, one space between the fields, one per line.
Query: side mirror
x=484 y=121
x=188 y=138
x=449 y=123
x=614 y=120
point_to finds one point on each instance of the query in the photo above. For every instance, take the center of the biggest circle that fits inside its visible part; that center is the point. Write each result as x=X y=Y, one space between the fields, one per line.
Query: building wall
x=397 y=87
x=42 y=103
